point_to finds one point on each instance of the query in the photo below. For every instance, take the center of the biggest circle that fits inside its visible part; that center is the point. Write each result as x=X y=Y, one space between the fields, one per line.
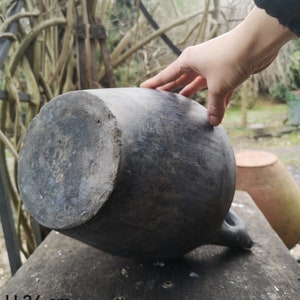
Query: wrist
x=261 y=36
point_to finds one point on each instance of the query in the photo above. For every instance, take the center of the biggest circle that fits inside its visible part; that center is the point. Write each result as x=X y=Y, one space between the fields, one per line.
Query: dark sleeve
x=286 y=11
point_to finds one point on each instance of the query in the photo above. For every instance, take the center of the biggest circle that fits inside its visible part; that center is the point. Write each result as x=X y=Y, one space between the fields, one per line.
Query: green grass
x=273 y=116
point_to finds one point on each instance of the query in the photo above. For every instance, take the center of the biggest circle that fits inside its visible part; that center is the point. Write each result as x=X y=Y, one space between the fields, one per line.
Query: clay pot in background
x=274 y=191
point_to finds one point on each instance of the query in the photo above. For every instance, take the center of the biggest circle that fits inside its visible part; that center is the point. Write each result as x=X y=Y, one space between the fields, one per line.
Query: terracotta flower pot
x=273 y=189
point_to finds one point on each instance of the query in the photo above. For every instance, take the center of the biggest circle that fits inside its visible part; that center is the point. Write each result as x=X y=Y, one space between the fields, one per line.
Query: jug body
x=133 y=172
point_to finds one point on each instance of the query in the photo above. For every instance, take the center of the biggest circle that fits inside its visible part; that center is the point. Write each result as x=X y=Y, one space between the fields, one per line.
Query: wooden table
x=63 y=268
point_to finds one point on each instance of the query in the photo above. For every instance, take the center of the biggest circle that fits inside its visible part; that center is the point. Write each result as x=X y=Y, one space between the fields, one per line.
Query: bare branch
x=29 y=38
x=20 y=15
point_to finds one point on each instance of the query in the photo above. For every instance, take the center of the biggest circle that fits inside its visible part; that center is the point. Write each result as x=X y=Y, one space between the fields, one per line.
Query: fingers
x=182 y=81
x=199 y=83
x=217 y=104
x=169 y=75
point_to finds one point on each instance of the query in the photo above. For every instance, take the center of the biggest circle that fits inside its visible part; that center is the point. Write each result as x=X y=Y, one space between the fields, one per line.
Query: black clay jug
x=134 y=172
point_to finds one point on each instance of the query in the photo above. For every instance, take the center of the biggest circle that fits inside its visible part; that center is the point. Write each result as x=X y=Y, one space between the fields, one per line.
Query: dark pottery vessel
x=134 y=172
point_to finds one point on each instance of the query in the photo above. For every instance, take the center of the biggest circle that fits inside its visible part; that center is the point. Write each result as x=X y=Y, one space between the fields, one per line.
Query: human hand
x=223 y=63
x=209 y=65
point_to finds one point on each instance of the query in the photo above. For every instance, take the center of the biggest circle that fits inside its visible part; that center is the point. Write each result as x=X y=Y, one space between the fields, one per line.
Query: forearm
x=261 y=36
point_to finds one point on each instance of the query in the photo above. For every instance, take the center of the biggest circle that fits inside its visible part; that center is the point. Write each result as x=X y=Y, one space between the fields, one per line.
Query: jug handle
x=233 y=233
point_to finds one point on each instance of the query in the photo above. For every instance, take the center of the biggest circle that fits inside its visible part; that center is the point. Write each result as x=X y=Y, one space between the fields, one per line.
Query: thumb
x=216 y=107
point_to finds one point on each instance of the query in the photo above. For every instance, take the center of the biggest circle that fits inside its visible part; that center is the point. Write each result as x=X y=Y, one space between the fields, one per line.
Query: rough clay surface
x=69 y=161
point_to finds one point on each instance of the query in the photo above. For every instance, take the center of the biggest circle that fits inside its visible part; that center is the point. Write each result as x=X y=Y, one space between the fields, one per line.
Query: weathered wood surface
x=63 y=268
